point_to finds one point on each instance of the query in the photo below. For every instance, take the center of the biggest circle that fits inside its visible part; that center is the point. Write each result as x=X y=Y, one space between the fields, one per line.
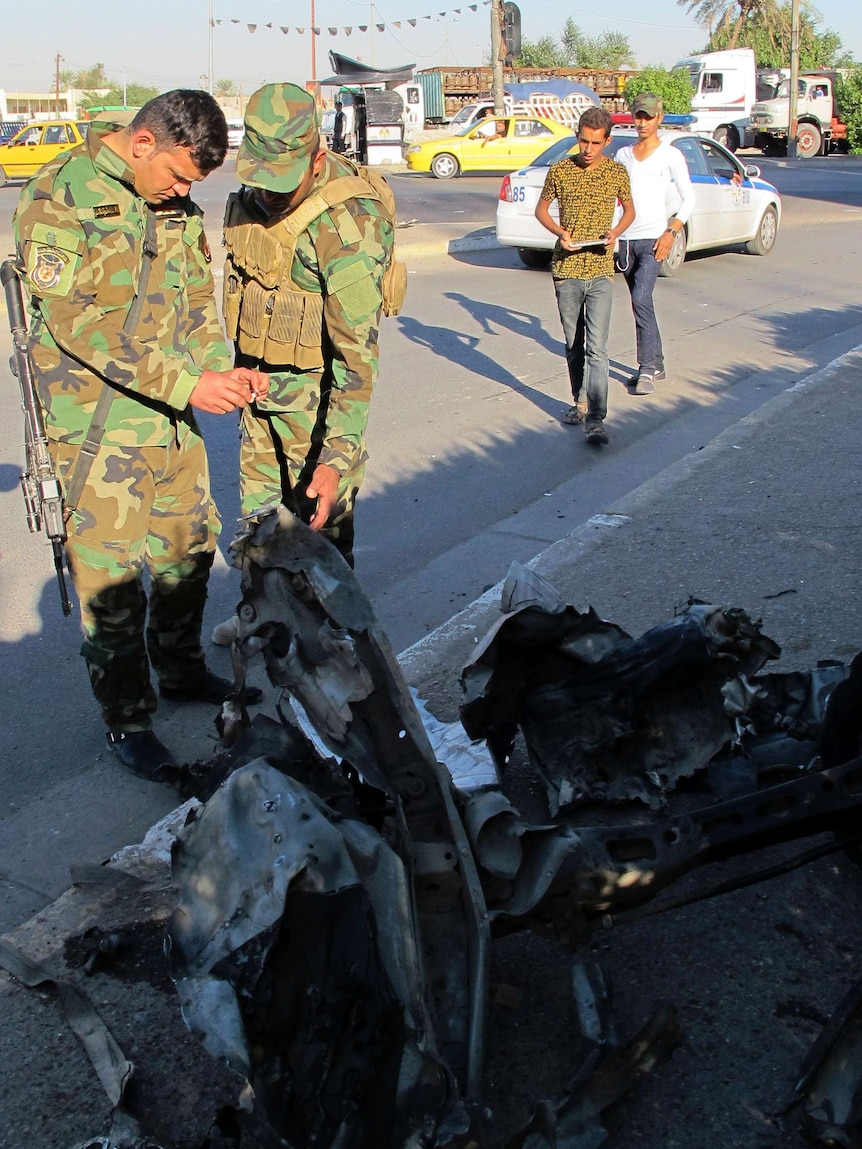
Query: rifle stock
x=43 y=499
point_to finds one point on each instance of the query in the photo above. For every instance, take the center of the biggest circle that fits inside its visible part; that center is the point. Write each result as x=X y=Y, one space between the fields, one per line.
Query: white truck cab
x=725 y=89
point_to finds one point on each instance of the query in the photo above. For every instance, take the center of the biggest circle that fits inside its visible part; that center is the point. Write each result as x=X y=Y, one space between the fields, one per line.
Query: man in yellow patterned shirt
x=587 y=187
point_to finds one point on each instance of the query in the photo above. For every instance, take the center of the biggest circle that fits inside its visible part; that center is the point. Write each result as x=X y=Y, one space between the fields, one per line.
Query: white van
x=235 y=131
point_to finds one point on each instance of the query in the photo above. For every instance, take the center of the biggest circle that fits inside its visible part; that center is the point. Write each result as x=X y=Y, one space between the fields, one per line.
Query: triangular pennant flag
x=301 y=31
x=268 y=25
x=473 y=7
x=333 y=31
x=363 y=27
x=380 y=27
x=251 y=27
x=316 y=31
x=412 y=23
x=285 y=30
x=397 y=23
x=236 y=21
x=347 y=31
x=218 y=21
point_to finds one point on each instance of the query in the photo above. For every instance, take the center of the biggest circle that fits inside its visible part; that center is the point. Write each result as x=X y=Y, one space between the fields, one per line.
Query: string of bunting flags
x=411 y=22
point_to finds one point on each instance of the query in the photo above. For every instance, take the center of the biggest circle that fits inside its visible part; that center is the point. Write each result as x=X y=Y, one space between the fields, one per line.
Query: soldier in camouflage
x=125 y=342
x=308 y=243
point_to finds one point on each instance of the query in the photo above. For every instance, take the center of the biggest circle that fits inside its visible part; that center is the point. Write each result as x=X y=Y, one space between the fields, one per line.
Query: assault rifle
x=43 y=500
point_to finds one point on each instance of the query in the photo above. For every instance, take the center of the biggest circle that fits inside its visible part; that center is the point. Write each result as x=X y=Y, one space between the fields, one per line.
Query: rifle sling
x=96 y=430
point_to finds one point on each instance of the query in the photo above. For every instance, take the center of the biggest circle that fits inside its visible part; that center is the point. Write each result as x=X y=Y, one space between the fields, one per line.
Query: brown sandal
x=573 y=416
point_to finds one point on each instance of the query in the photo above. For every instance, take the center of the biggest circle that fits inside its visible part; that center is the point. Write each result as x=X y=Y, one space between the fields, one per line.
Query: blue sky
x=164 y=43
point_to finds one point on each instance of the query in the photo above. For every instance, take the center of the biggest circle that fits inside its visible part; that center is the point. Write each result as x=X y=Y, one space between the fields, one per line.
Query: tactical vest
x=266 y=312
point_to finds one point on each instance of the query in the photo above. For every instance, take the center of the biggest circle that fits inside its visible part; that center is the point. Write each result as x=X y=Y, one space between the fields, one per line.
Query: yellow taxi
x=498 y=143
x=26 y=152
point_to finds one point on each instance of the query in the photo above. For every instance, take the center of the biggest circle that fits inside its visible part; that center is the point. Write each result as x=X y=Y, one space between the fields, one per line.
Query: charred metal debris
x=339 y=893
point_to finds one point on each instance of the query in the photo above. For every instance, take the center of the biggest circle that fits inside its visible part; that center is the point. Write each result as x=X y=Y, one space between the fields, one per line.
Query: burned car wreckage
x=338 y=895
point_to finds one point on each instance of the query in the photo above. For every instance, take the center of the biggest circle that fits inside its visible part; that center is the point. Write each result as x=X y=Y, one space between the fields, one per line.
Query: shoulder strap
x=96 y=430
x=336 y=191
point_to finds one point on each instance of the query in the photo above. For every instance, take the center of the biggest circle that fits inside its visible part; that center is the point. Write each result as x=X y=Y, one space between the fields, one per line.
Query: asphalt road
x=469 y=469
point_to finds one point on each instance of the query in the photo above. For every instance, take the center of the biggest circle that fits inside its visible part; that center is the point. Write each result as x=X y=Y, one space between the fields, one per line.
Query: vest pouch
x=253 y=319
x=231 y=296
x=295 y=332
x=394 y=287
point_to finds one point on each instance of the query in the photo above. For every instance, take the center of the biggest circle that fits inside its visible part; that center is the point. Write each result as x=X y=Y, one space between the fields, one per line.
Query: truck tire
x=533 y=257
x=767 y=232
x=809 y=141
x=444 y=166
x=676 y=256
x=728 y=136
x=3 y=179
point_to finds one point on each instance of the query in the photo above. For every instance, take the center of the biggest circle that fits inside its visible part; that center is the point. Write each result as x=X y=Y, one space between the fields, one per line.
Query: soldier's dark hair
x=596 y=119
x=186 y=118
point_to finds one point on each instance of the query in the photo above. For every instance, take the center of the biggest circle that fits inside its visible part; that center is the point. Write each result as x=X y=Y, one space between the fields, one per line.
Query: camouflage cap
x=648 y=104
x=282 y=133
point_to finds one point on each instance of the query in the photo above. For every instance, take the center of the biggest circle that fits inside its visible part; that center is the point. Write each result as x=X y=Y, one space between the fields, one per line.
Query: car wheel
x=727 y=136
x=767 y=233
x=3 y=179
x=809 y=141
x=675 y=257
x=444 y=166
x=531 y=257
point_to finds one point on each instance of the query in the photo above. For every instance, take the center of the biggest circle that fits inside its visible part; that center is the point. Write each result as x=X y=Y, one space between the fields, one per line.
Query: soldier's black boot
x=213 y=688
x=141 y=752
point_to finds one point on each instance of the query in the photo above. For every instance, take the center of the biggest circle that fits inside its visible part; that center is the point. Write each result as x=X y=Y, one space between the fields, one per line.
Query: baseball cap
x=282 y=133
x=648 y=103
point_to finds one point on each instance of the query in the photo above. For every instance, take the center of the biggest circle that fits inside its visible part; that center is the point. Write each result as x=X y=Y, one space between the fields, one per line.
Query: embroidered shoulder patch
x=47 y=269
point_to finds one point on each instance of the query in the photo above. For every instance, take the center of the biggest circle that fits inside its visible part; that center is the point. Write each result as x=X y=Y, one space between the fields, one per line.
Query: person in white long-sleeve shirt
x=653 y=165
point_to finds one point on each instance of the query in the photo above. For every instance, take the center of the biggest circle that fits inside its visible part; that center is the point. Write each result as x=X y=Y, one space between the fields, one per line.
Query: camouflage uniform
x=307 y=314
x=80 y=233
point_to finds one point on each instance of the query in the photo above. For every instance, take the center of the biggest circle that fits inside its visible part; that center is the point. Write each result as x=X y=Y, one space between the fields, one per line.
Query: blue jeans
x=636 y=260
x=585 y=312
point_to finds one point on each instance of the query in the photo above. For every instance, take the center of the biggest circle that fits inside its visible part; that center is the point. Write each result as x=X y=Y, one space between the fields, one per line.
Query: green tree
x=546 y=52
x=850 y=102
x=674 y=87
x=610 y=51
x=136 y=96
x=225 y=88
x=725 y=16
x=93 y=77
x=570 y=38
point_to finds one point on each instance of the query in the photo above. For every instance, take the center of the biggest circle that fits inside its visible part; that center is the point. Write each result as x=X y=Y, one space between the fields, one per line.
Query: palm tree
x=225 y=88
x=726 y=16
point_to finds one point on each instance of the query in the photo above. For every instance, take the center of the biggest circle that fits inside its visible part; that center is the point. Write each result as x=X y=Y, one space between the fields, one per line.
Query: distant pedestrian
x=654 y=166
x=587 y=187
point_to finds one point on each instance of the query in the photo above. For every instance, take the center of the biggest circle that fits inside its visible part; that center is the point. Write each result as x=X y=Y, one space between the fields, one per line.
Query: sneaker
x=141 y=752
x=594 y=430
x=644 y=382
x=214 y=689
x=226 y=632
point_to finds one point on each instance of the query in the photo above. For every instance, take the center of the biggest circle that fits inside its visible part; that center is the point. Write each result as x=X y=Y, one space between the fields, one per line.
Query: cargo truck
x=820 y=127
x=446 y=91
x=725 y=87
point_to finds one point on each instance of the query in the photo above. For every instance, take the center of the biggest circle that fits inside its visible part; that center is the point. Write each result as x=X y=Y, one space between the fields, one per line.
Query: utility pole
x=210 y=44
x=124 y=86
x=793 y=110
x=57 y=60
x=497 y=51
x=313 y=45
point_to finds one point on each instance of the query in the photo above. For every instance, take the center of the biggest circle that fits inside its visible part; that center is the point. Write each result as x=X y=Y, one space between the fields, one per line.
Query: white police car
x=726 y=212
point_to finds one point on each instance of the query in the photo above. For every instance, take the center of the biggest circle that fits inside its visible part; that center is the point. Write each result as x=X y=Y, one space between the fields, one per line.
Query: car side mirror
x=752 y=171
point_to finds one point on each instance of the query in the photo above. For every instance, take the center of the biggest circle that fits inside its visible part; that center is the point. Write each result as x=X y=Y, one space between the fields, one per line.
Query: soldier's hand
x=256 y=381
x=219 y=393
x=324 y=488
